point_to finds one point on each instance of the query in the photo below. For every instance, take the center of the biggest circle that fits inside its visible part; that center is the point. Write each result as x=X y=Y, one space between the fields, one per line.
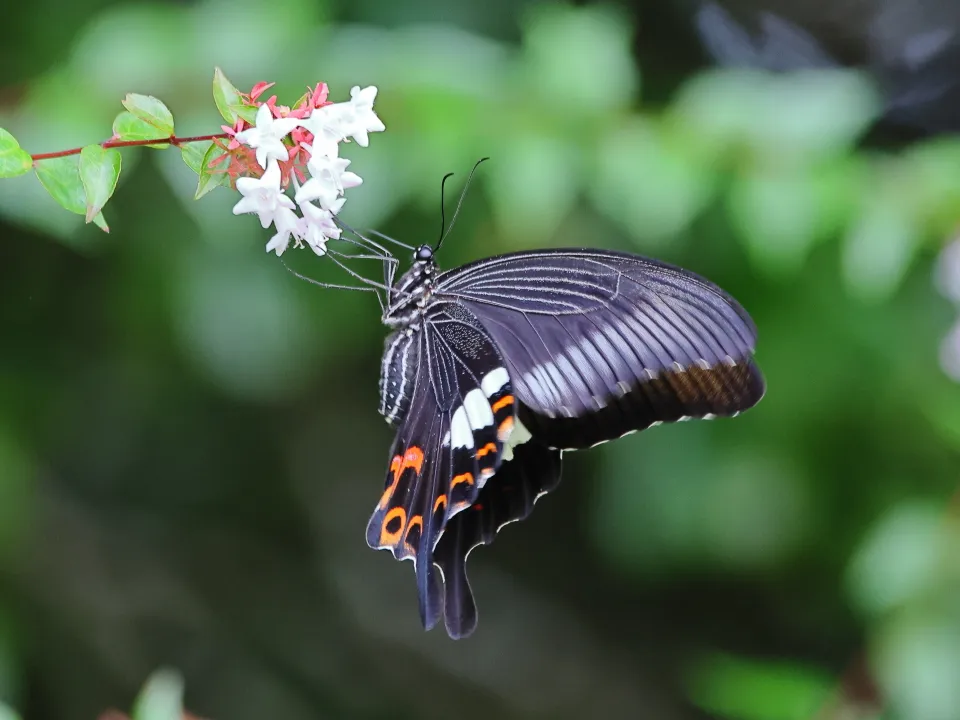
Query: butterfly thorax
x=408 y=300
x=410 y=295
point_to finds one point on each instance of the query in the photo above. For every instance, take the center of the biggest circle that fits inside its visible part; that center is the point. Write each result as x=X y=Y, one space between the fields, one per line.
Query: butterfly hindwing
x=449 y=443
x=408 y=518
x=508 y=497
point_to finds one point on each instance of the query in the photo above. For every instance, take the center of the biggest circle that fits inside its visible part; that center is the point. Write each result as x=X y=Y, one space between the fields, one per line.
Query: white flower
x=327 y=129
x=262 y=195
x=357 y=117
x=267 y=136
x=328 y=180
x=317 y=225
x=287 y=223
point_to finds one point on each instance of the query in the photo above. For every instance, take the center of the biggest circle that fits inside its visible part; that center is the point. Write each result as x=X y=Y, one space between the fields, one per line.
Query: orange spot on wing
x=415 y=521
x=464 y=478
x=506 y=427
x=413 y=458
x=392 y=537
x=488 y=448
x=396 y=468
x=441 y=502
x=503 y=402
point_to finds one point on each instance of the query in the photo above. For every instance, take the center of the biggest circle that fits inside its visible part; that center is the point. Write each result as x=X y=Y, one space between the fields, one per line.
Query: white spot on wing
x=478 y=409
x=494 y=381
x=460 y=433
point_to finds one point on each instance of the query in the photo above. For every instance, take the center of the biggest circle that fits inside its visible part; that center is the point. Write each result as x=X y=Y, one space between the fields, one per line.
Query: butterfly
x=492 y=370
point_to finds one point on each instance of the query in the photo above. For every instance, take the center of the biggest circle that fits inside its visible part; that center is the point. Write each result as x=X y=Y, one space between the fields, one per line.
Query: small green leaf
x=61 y=178
x=101 y=223
x=13 y=160
x=247 y=112
x=161 y=698
x=226 y=96
x=209 y=180
x=151 y=111
x=99 y=171
x=192 y=154
x=128 y=126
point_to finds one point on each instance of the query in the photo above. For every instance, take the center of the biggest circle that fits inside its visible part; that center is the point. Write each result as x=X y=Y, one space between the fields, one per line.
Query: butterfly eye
x=424 y=252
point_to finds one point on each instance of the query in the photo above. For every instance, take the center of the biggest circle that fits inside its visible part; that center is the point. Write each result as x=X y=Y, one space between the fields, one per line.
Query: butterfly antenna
x=463 y=194
x=443 y=220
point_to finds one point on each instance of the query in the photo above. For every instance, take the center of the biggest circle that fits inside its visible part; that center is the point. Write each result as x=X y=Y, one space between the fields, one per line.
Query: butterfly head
x=410 y=294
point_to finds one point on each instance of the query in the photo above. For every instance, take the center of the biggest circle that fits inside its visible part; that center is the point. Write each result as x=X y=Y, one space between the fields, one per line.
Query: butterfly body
x=492 y=369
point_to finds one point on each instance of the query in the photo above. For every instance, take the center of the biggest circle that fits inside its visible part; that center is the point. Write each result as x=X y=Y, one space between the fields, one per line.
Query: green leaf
x=61 y=178
x=161 y=698
x=247 y=112
x=580 y=58
x=13 y=160
x=879 y=248
x=648 y=182
x=192 y=154
x=209 y=180
x=151 y=111
x=101 y=223
x=128 y=126
x=734 y=687
x=99 y=171
x=900 y=559
x=226 y=96
x=7 y=712
x=533 y=184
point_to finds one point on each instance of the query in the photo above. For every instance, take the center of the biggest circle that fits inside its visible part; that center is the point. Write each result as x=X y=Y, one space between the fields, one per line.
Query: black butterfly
x=496 y=367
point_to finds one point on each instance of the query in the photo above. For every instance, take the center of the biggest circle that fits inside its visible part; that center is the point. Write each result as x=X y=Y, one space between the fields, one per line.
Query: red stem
x=172 y=140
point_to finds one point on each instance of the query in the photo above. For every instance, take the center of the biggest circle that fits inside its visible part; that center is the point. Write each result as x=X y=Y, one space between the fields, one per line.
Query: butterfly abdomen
x=397 y=371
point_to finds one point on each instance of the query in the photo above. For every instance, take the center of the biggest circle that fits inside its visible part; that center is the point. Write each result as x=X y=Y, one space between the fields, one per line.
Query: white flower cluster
x=321 y=196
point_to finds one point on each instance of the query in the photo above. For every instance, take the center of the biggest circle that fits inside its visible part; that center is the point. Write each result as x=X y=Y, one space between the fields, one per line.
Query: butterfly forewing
x=601 y=343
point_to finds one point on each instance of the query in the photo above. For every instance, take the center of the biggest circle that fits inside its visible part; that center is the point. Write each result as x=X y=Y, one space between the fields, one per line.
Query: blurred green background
x=189 y=441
